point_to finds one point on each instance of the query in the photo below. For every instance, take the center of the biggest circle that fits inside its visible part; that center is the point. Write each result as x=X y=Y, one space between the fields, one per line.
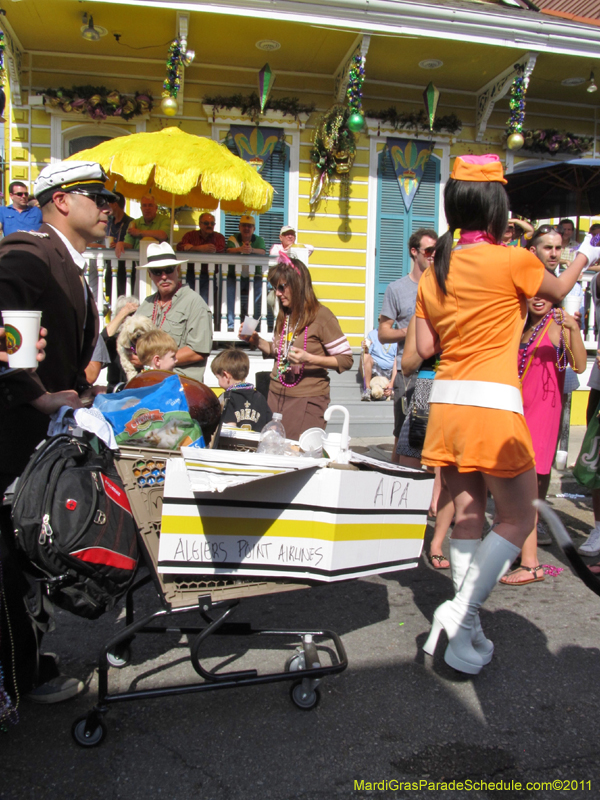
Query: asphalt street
x=531 y=716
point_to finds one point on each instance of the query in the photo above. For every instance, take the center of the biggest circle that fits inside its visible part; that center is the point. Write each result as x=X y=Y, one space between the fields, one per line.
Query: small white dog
x=130 y=332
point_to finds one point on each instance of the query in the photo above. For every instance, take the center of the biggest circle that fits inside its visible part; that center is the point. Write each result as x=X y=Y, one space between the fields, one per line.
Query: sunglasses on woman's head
x=158 y=271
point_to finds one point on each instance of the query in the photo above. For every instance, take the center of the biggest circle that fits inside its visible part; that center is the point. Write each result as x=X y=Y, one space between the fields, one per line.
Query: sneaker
x=56 y=690
x=366 y=395
x=592 y=546
x=543 y=534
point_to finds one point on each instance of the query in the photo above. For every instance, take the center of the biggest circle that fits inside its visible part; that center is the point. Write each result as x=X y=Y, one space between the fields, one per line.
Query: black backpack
x=72 y=519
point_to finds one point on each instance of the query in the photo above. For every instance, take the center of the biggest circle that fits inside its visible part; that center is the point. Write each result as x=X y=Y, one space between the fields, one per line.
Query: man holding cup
x=42 y=271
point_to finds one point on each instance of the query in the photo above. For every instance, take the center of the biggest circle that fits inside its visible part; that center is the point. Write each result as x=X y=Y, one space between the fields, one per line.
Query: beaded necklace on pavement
x=283 y=364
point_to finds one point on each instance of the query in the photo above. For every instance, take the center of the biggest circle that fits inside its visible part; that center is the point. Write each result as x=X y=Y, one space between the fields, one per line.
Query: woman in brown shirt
x=307 y=341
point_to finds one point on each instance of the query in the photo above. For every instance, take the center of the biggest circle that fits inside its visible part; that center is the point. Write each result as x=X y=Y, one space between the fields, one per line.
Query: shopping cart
x=370 y=519
x=214 y=599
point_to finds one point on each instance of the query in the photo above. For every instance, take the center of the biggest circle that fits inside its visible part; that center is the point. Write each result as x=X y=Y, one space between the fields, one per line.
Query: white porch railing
x=222 y=294
x=214 y=286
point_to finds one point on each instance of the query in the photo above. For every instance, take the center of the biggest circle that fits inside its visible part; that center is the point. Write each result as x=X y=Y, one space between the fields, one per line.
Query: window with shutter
x=276 y=172
x=395 y=224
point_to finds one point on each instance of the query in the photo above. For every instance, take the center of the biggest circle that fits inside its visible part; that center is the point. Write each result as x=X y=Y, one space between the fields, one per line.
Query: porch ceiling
x=51 y=32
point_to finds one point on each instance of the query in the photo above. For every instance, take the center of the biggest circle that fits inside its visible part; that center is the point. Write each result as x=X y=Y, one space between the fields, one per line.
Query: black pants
x=23 y=617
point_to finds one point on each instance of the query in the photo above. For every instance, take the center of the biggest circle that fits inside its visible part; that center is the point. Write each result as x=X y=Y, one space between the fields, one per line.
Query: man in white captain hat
x=178 y=310
x=43 y=271
x=245 y=242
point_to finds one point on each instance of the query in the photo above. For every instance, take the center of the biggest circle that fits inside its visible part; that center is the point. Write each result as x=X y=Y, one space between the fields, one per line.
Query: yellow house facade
x=360 y=230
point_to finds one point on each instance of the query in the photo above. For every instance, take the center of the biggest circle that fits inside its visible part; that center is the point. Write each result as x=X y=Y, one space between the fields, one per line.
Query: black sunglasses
x=427 y=251
x=158 y=271
x=281 y=288
x=100 y=199
x=20 y=194
x=544 y=229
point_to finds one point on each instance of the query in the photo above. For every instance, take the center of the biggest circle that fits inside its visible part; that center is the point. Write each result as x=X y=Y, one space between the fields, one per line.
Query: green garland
x=516 y=103
x=416 y=119
x=250 y=104
x=551 y=140
x=98 y=102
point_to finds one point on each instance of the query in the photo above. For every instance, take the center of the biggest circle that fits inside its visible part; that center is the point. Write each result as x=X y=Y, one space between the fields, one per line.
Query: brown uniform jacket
x=38 y=273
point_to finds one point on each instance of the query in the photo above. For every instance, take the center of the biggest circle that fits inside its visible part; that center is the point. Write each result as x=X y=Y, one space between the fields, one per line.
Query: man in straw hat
x=43 y=271
x=178 y=310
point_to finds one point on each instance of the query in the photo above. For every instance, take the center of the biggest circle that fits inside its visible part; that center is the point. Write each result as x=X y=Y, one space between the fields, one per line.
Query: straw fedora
x=161 y=255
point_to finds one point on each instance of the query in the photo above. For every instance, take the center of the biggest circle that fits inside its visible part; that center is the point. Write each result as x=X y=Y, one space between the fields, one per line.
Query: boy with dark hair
x=243 y=406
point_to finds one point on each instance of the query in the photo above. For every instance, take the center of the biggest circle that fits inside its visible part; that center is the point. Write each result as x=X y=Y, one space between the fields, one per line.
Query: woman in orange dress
x=472 y=306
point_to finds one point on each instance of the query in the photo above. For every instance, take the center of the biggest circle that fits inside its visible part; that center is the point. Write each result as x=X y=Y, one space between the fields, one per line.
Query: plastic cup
x=332 y=444
x=22 y=331
x=249 y=326
x=311 y=442
x=109 y=242
x=561 y=459
x=572 y=304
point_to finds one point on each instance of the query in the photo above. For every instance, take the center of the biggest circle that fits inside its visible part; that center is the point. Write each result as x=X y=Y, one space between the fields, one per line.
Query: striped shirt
x=324 y=338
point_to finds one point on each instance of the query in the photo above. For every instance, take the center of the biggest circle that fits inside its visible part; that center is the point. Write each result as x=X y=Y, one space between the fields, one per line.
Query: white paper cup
x=311 y=441
x=561 y=459
x=22 y=331
x=249 y=326
x=109 y=242
x=572 y=304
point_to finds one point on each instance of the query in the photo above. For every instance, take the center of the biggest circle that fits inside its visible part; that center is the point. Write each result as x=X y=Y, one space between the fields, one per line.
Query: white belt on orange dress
x=483 y=394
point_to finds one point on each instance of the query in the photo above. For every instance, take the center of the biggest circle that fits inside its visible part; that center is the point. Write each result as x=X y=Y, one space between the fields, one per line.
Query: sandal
x=532 y=579
x=437 y=558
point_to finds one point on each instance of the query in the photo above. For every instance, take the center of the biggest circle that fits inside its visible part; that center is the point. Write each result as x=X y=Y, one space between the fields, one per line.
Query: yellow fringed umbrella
x=181 y=169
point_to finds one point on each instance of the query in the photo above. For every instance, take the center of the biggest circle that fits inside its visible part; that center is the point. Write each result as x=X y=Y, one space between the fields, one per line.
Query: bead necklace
x=563 y=351
x=241 y=386
x=155 y=309
x=534 y=333
x=283 y=365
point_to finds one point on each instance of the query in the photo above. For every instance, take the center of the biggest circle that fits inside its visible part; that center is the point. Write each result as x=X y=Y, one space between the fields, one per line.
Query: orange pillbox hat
x=478 y=168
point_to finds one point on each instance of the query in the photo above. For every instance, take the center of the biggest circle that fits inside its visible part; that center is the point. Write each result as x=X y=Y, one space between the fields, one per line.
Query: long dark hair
x=304 y=303
x=471 y=206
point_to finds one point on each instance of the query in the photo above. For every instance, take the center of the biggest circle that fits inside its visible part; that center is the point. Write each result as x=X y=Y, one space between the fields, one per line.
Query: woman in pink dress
x=546 y=349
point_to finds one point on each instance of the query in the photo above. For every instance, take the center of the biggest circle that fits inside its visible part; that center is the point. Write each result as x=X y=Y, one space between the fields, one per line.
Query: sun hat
x=287 y=229
x=247 y=220
x=160 y=255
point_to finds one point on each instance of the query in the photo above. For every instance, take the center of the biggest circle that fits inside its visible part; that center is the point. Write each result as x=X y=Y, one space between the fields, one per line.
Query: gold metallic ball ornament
x=356 y=122
x=515 y=141
x=169 y=106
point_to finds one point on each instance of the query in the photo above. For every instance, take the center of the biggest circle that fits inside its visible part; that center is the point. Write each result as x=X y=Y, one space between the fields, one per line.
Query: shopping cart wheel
x=120 y=656
x=304 y=698
x=95 y=734
x=296 y=662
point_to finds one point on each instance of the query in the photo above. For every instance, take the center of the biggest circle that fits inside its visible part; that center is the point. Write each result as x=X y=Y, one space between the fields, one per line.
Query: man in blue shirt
x=19 y=216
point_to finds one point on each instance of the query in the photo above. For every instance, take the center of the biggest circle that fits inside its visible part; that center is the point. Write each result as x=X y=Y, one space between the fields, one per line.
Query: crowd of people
x=472 y=346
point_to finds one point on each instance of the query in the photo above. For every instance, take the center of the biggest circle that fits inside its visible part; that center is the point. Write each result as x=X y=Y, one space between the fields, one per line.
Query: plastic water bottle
x=272 y=437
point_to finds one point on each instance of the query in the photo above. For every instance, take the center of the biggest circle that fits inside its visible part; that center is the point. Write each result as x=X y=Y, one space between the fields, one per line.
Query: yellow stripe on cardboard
x=301 y=529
